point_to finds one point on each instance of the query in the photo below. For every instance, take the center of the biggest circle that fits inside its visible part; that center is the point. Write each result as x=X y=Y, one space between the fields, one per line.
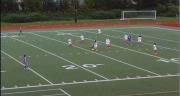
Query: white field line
x=60 y=58
x=3 y=71
x=148 y=36
x=64 y=92
x=90 y=29
x=42 y=77
x=33 y=71
x=116 y=37
x=120 y=31
x=166 y=29
x=151 y=93
x=99 y=54
x=54 y=95
x=29 y=91
x=95 y=81
x=86 y=29
x=147 y=54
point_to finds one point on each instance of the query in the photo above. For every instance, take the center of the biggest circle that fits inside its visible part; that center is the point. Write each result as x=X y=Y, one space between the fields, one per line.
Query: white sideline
x=130 y=50
x=166 y=29
x=96 y=29
x=162 y=47
x=2 y=71
x=114 y=30
x=108 y=29
x=99 y=54
x=61 y=58
x=34 y=72
x=28 y=91
x=150 y=93
x=95 y=81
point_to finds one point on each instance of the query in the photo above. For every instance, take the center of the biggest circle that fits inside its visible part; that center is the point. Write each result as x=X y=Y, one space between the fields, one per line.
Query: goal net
x=148 y=14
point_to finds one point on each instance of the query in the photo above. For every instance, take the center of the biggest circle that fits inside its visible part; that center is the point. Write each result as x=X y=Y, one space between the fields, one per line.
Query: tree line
x=63 y=5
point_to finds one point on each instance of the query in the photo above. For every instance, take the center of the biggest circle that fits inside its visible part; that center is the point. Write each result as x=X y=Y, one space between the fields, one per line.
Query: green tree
x=32 y=5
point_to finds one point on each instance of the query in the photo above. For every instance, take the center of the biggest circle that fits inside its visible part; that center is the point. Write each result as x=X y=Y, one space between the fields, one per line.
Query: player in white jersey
x=139 y=40
x=99 y=31
x=94 y=46
x=125 y=38
x=20 y=31
x=69 y=42
x=82 y=38
x=155 y=48
x=107 y=43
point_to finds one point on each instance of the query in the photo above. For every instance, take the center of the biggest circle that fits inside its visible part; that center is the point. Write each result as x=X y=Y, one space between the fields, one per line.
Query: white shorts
x=69 y=43
x=139 y=40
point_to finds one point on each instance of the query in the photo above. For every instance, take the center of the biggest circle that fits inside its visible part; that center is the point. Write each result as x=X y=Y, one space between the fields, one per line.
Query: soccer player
x=107 y=43
x=155 y=48
x=82 y=38
x=125 y=38
x=20 y=31
x=139 y=40
x=24 y=61
x=94 y=46
x=69 y=42
x=99 y=31
x=129 y=38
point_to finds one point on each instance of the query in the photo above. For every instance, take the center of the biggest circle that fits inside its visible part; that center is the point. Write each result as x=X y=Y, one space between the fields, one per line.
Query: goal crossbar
x=142 y=14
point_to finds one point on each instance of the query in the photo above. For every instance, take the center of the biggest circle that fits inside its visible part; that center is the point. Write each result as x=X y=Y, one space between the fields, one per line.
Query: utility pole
x=75 y=11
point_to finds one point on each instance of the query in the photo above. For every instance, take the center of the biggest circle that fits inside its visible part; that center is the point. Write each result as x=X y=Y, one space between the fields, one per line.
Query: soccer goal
x=146 y=14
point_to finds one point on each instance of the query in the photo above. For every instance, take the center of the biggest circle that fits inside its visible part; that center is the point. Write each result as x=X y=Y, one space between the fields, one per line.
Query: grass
x=121 y=70
x=80 y=21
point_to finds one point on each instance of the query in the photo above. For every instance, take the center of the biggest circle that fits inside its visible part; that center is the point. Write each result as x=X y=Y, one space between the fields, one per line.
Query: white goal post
x=142 y=14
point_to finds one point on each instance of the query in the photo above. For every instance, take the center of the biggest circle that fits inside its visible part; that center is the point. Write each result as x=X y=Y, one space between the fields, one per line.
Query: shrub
x=20 y=18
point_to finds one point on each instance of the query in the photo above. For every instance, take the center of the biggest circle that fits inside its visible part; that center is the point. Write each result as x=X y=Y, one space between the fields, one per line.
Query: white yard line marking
x=151 y=93
x=99 y=54
x=147 y=54
x=60 y=58
x=3 y=71
x=28 y=68
x=29 y=91
x=33 y=71
x=97 y=81
x=65 y=92
x=116 y=37
x=54 y=95
x=166 y=29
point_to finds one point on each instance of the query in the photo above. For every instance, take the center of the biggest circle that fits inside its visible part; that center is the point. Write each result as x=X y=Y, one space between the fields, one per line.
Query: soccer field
x=121 y=70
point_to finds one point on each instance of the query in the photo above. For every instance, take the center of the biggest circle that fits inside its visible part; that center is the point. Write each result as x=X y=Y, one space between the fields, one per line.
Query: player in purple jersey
x=129 y=38
x=24 y=61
